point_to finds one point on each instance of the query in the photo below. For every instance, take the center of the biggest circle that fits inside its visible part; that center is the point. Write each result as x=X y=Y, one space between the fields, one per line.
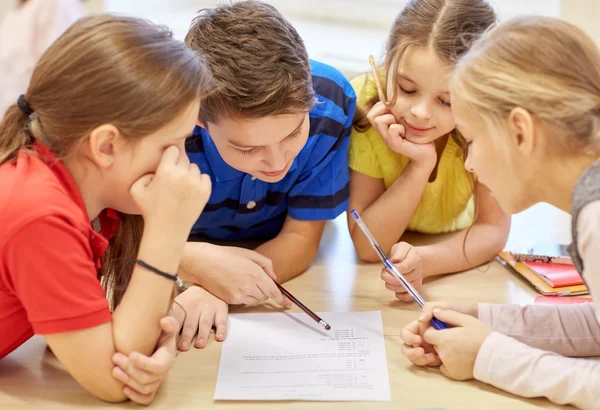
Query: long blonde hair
x=544 y=65
x=105 y=70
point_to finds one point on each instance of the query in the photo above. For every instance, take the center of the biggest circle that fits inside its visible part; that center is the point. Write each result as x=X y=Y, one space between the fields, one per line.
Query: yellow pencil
x=380 y=92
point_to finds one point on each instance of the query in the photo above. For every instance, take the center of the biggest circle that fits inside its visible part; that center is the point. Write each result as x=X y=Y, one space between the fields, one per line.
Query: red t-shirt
x=49 y=252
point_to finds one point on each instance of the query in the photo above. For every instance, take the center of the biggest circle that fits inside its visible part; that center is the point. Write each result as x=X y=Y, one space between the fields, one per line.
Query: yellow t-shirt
x=447 y=203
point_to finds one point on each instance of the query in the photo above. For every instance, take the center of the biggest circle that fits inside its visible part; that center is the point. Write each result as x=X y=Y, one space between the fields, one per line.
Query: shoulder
x=364 y=87
x=34 y=192
x=330 y=84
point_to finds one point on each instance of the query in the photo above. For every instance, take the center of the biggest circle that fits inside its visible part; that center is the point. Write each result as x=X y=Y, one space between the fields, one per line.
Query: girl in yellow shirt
x=407 y=164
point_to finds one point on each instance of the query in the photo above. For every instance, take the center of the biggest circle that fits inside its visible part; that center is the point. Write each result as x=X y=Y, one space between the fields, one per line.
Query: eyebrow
x=407 y=78
x=257 y=146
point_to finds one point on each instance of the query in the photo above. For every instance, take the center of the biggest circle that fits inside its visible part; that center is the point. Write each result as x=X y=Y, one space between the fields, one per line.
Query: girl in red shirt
x=97 y=190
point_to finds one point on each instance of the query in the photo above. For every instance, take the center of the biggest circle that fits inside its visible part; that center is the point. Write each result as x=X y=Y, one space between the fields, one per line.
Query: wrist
x=189 y=269
x=161 y=250
x=424 y=255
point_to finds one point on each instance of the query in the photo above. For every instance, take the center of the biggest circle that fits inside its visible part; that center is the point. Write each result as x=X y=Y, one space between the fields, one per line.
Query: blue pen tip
x=354 y=214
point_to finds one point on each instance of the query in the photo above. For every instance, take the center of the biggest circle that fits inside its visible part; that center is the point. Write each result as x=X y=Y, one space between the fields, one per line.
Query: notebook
x=507 y=259
x=557 y=300
x=544 y=252
x=556 y=275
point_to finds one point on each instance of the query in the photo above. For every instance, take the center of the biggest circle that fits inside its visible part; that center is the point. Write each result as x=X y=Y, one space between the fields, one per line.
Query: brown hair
x=447 y=27
x=105 y=69
x=544 y=65
x=257 y=59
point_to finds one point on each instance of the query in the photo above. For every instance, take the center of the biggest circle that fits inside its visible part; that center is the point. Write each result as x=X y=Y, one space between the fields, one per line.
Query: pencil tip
x=327 y=327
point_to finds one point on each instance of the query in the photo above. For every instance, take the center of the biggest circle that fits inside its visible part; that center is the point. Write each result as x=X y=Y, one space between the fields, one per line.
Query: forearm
x=136 y=320
x=388 y=217
x=570 y=330
x=291 y=254
x=454 y=254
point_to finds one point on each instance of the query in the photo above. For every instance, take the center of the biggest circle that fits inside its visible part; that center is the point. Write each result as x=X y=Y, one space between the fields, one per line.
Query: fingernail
x=200 y=342
x=184 y=346
x=422 y=316
x=437 y=310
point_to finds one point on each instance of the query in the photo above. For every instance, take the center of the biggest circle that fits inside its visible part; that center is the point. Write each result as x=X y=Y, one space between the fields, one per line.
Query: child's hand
x=202 y=311
x=235 y=275
x=457 y=347
x=143 y=375
x=415 y=348
x=171 y=199
x=407 y=260
x=393 y=133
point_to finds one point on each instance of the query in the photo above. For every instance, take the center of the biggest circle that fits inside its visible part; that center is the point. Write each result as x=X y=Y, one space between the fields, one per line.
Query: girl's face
x=423 y=103
x=134 y=158
x=496 y=159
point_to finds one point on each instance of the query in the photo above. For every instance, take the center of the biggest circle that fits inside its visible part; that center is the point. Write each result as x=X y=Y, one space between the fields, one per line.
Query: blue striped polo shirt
x=315 y=187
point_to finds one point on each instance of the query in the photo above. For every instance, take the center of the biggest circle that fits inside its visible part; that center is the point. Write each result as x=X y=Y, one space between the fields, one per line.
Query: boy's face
x=263 y=147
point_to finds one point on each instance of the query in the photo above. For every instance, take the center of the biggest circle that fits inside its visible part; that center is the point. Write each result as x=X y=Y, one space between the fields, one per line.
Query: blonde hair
x=105 y=70
x=544 y=65
x=447 y=27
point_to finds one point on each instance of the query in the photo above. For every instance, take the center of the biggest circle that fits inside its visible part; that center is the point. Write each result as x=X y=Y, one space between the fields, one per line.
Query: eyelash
x=289 y=137
x=405 y=91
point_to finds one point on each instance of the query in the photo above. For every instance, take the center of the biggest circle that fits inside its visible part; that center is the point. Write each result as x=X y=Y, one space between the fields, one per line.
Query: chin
x=269 y=179
x=420 y=139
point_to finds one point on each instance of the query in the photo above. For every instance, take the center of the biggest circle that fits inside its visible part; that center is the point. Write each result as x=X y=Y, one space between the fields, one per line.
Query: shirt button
x=251 y=205
x=254 y=178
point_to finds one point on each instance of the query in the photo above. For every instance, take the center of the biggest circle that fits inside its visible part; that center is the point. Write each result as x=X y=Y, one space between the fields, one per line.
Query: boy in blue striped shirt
x=273 y=136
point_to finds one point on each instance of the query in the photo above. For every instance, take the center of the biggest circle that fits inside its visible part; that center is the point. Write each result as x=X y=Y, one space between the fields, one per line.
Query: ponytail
x=14 y=133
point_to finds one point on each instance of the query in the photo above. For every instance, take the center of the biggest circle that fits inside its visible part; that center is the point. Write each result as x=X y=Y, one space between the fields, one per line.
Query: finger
x=397 y=131
x=387 y=277
x=454 y=318
x=169 y=158
x=270 y=289
x=404 y=297
x=137 y=397
x=378 y=109
x=400 y=289
x=137 y=188
x=157 y=365
x=400 y=251
x=444 y=371
x=178 y=313
x=170 y=325
x=138 y=380
x=251 y=301
x=265 y=263
x=221 y=323
x=410 y=334
x=190 y=327
x=434 y=337
x=418 y=356
x=385 y=120
x=427 y=310
x=207 y=318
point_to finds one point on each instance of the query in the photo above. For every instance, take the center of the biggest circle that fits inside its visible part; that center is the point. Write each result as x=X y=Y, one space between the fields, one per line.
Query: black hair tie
x=23 y=106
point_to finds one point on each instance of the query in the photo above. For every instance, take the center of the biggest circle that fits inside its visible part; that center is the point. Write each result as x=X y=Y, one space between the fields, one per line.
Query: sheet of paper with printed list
x=287 y=356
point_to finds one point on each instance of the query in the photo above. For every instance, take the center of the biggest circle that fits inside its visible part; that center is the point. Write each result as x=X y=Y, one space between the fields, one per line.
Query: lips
x=416 y=129
x=275 y=173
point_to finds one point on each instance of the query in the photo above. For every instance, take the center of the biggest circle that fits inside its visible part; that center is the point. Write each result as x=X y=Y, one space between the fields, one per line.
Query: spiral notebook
x=541 y=285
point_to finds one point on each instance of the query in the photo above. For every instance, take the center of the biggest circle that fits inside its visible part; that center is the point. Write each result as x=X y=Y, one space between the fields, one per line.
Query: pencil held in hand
x=306 y=310
x=378 y=85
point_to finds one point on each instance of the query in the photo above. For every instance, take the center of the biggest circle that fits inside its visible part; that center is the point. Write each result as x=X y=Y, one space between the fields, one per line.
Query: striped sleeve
x=322 y=190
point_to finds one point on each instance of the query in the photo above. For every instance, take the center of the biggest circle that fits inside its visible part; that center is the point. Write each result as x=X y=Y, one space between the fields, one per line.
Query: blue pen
x=438 y=324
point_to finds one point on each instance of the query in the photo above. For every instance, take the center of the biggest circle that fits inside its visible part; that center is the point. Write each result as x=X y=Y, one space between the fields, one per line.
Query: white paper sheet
x=287 y=356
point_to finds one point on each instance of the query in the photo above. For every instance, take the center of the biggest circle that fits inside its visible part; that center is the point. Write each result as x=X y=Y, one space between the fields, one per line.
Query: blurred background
x=344 y=33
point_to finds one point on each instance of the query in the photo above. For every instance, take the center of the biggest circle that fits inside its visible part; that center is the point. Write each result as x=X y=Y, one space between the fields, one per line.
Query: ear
x=104 y=143
x=521 y=126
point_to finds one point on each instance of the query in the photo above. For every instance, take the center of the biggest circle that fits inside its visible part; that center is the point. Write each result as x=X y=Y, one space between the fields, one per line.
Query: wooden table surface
x=31 y=378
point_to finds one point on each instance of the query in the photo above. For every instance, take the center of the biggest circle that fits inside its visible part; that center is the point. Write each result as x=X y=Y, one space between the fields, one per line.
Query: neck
x=559 y=181
x=85 y=180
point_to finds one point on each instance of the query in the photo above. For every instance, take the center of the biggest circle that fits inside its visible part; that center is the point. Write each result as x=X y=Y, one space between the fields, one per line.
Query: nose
x=421 y=110
x=275 y=158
